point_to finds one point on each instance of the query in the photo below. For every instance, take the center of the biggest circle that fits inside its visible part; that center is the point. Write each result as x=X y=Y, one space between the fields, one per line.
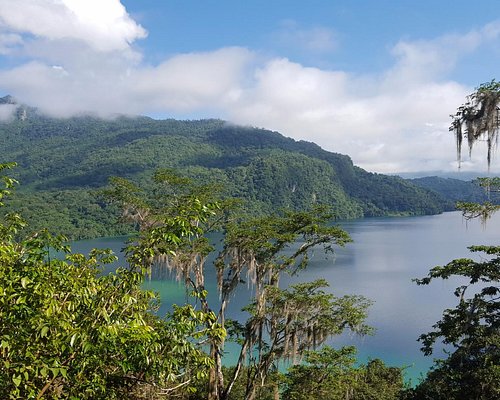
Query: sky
x=374 y=79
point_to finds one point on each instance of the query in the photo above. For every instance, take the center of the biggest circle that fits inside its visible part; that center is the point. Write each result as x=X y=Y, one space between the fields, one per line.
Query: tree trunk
x=212 y=385
x=250 y=395
x=239 y=366
x=276 y=390
x=214 y=378
x=218 y=372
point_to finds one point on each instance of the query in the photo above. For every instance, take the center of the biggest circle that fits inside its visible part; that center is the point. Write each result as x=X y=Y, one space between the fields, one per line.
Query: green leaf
x=17 y=380
x=72 y=340
x=44 y=331
x=24 y=281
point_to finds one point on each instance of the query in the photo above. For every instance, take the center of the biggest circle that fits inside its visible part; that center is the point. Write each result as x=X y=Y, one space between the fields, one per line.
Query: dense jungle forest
x=64 y=163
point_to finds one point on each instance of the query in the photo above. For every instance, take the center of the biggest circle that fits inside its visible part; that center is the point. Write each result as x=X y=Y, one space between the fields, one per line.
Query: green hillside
x=455 y=190
x=62 y=163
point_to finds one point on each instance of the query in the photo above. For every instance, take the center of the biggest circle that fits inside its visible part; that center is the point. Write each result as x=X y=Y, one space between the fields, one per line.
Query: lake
x=387 y=253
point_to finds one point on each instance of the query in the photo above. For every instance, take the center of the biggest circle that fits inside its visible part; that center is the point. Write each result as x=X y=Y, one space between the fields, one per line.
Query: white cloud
x=108 y=86
x=102 y=24
x=422 y=61
x=397 y=121
x=193 y=81
x=333 y=109
x=394 y=121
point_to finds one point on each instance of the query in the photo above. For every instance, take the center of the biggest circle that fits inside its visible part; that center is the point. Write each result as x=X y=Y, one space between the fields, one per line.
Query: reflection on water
x=387 y=253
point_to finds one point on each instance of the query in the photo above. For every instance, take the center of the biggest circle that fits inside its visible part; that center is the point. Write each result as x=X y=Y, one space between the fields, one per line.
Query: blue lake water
x=380 y=264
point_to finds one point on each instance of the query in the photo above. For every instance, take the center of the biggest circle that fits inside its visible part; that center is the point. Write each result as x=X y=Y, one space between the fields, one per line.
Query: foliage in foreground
x=282 y=323
x=68 y=331
x=325 y=374
x=71 y=332
x=472 y=328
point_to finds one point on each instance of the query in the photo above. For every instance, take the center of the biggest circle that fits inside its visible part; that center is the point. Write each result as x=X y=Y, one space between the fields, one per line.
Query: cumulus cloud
x=424 y=60
x=381 y=129
x=393 y=121
x=194 y=81
x=102 y=24
x=184 y=83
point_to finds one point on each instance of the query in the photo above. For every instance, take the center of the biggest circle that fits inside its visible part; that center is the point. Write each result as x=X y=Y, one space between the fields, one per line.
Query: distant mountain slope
x=70 y=158
x=455 y=190
x=457 y=174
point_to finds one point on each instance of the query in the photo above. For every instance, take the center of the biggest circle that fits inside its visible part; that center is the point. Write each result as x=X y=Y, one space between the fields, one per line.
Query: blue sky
x=373 y=79
x=362 y=32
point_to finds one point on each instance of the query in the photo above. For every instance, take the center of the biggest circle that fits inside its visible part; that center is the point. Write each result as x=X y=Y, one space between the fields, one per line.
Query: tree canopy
x=472 y=329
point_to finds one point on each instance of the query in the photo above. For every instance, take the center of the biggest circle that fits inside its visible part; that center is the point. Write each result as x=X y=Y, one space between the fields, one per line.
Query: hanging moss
x=478 y=119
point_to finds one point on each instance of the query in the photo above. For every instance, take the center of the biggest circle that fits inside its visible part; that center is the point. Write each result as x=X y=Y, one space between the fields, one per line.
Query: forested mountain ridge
x=63 y=162
x=456 y=190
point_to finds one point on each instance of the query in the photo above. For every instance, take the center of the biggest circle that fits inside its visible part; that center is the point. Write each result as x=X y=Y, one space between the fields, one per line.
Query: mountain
x=455 y=190
x=63 y=162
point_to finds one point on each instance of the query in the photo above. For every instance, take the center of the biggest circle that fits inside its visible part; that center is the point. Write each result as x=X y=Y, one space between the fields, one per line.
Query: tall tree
x=260 y=250
x=472 y=328
x=283 y=323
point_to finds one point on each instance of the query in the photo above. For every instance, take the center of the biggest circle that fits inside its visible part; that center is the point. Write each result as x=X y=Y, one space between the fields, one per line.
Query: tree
x=472 y=328
x=484 y=210
x=260 y=250
x=283 y=323
x=69 y=331
x=330 y=374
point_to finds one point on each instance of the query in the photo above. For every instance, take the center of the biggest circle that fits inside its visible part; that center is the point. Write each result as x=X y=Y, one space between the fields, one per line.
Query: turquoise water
x=380 y=264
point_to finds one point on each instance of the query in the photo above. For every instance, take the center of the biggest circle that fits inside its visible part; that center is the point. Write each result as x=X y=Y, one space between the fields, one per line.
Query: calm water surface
x=380 y=264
